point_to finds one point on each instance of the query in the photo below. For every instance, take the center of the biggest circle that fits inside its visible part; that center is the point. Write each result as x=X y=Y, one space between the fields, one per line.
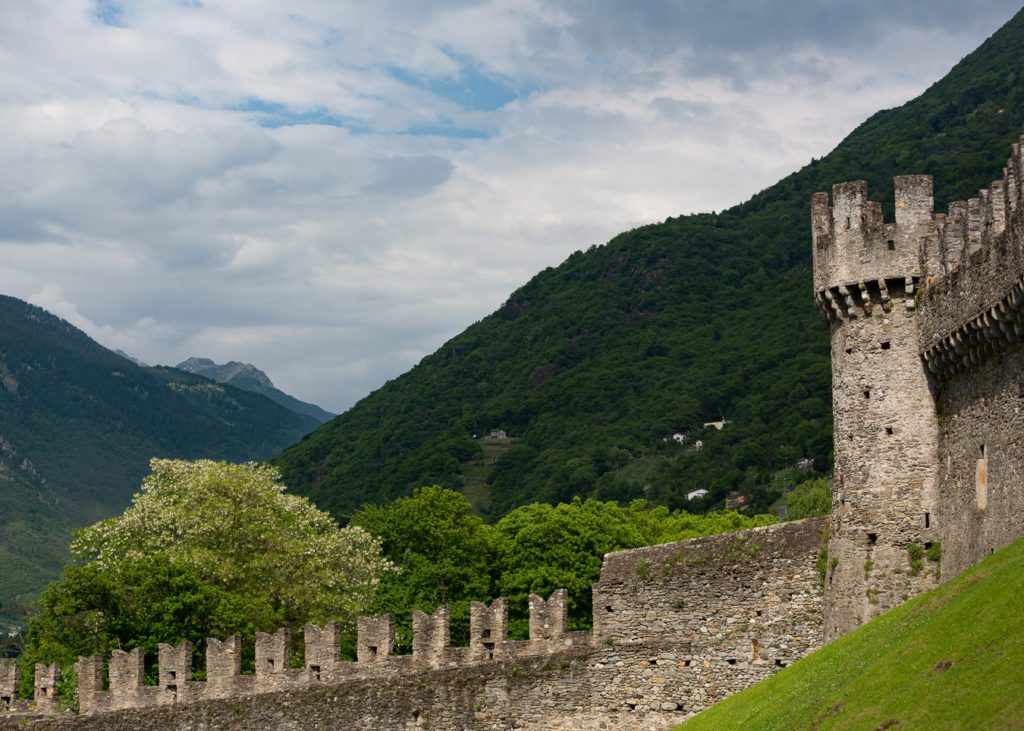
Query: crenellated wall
x=927 y=317
x=972 y=326
x=691 y=623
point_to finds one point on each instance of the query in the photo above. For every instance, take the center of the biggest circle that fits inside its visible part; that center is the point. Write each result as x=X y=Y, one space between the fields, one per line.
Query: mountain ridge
x=78 y=425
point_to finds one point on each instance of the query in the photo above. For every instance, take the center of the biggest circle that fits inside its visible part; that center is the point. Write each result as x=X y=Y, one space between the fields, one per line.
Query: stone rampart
x=972 y=326
x=927 y=319
x=691 y=623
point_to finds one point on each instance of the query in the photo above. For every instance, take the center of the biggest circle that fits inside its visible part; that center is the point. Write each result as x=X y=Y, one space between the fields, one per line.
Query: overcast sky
x=330 y=190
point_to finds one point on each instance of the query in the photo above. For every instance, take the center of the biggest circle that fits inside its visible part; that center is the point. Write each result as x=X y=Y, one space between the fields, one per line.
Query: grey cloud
x=410 y=176
x=750 y=37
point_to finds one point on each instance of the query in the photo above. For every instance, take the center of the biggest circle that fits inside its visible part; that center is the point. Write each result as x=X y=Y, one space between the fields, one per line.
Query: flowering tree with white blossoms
x=237 y=528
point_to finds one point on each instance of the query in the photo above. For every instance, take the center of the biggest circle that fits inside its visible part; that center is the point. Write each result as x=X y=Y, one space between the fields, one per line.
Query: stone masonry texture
x=691 y=623
x=927 y=318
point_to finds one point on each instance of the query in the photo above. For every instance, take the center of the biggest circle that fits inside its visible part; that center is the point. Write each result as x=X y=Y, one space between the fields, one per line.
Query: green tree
x=443 y=552
x=808 y=499
x=235 y=525
x=545 y=547
x=206 y=548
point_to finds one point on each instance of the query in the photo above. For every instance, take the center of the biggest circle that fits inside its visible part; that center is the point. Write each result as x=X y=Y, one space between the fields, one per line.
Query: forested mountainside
x=592 y=364
x=250 y=378
x=78 y=426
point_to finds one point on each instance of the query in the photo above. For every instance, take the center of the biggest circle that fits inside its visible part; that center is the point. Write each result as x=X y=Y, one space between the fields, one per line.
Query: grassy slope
x=892 y=669
x=593 y=362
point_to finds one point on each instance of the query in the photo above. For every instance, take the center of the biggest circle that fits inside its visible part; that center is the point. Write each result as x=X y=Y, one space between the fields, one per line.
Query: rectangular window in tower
x=981 y=479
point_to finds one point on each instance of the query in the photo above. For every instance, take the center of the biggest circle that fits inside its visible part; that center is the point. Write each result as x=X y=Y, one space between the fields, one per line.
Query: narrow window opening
x=891 y=244
x=372 y=649
x=981 y=479
x=173 y=690
x=608 y=608
x=270 y=663
x=872 y=539
x=849 y=351
x=44 y=691
x=888 y=430
x=927 y=545
x=867 y=393
x=314 y=670
x=172 y=674
x=731 y=661
x=486 y=633
x=489 y=646
x=927 y=520
x=758 y=612
x=886 y=345
x=652 y=662
x=687 y=663
x=5 y=701
x=847 y=223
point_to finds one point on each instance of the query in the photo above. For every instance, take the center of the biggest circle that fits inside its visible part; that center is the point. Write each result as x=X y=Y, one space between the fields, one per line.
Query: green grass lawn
x=950 y=659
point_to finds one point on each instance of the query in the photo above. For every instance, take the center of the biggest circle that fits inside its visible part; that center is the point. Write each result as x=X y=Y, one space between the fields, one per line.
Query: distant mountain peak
x=249 y=377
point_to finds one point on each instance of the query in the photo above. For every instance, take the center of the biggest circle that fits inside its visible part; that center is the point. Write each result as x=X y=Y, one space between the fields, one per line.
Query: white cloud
x=331 y=189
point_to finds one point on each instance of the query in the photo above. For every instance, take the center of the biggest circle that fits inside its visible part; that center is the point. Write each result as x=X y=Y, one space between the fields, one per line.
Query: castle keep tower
x=885 y=491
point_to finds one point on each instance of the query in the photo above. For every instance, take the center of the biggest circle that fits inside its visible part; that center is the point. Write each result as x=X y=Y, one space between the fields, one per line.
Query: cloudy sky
x=331 y=189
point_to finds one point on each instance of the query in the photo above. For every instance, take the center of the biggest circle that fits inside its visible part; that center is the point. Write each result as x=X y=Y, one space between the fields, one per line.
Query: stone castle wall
x=972 y=326
x=927 y=317
x=721 y=613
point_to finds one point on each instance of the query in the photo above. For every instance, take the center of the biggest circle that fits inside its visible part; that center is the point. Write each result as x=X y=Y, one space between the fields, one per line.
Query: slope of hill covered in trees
x=594 y=362
x=78 y=426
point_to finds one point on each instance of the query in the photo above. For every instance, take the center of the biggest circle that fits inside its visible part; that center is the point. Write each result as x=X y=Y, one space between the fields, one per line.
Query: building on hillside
x=498 y=434
x=696 y=494
x=719 y=425
x=735 y=501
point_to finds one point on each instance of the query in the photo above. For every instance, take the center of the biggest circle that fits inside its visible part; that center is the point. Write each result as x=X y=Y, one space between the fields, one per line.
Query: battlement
x=654 y=613
x=374 y=651
x=858 y=258
x=975 y=310
x=862 y=262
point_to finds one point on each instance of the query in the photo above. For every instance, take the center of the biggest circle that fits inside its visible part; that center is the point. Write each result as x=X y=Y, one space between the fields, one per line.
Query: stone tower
x=885 y=488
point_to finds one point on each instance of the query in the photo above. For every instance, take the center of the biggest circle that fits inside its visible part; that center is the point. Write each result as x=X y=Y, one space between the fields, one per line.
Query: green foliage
x=950 y=659
x=237 y=527
x=206 y=549
x=809 y=499
x=149 y=601
x=934 y=552
x=643 y=570
x=444 y=554
x=542 y=547
x=447 y=555
x=594 y=362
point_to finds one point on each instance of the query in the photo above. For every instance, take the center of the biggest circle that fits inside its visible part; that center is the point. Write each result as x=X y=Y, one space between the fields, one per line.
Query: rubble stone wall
x=693 y=622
